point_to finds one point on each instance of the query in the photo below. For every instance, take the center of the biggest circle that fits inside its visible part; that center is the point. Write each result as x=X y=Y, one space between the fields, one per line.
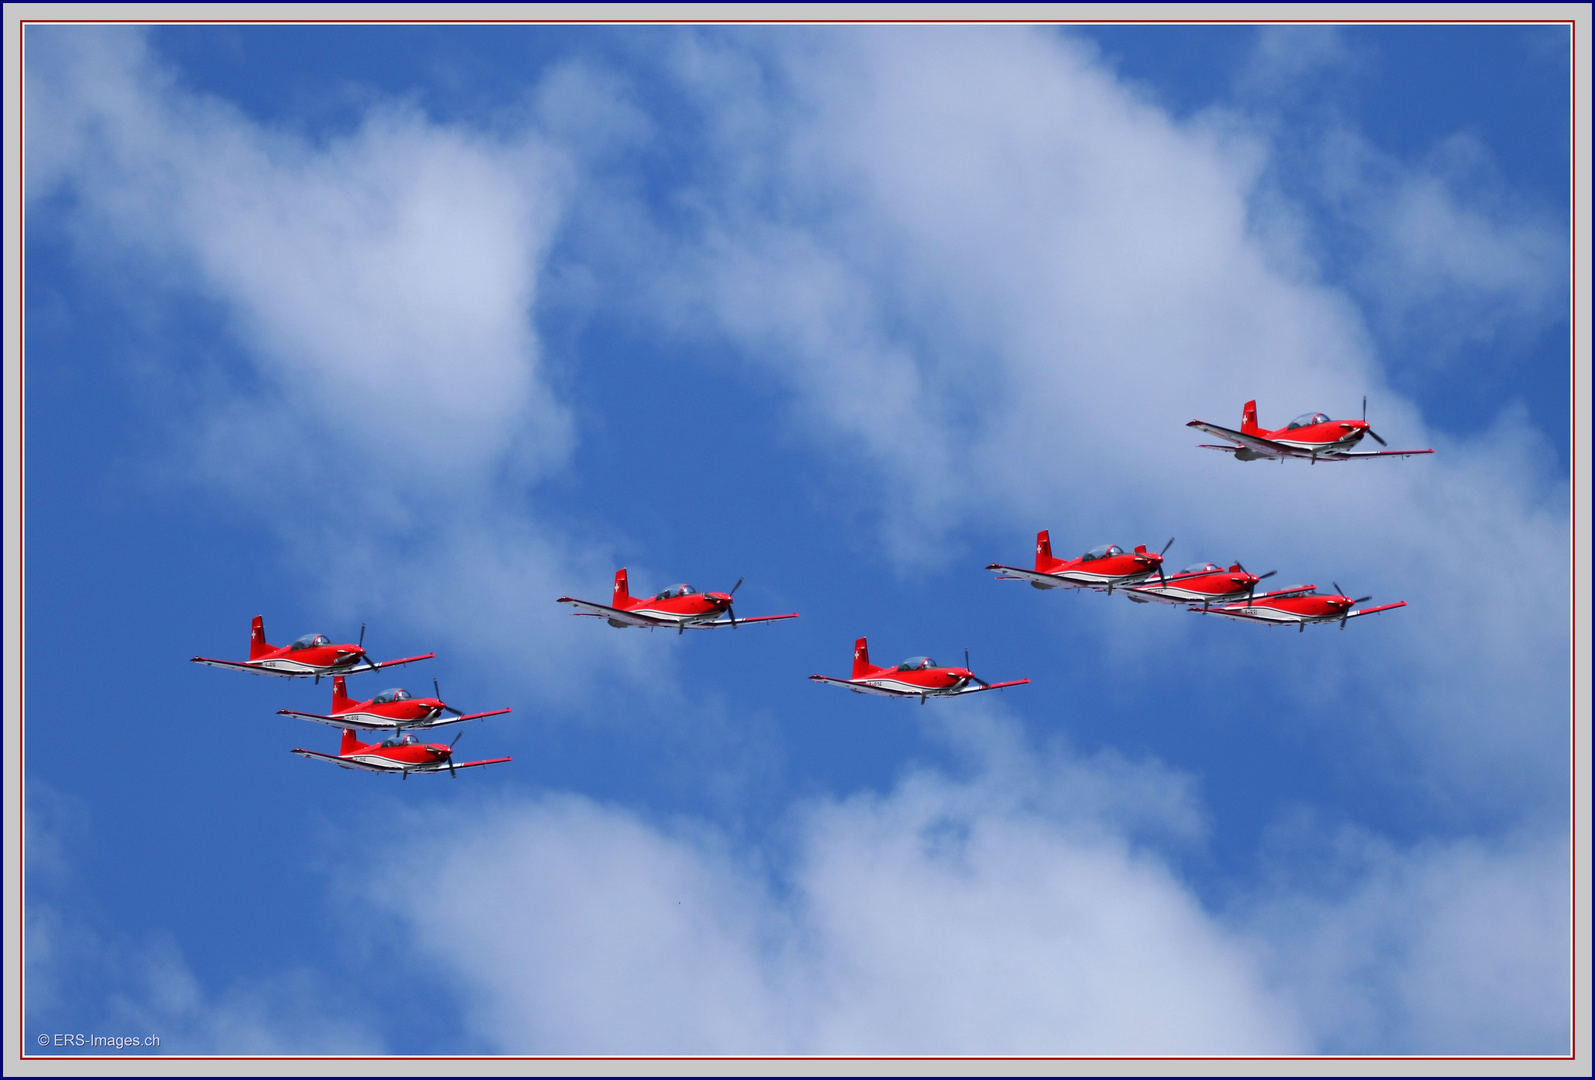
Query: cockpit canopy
x=1103 y=552
x=1201 y=568
x=396 y=694
x=1308 y=419
x=675 y=591
x=403 y=740
x=917 y=663
x=311 y=641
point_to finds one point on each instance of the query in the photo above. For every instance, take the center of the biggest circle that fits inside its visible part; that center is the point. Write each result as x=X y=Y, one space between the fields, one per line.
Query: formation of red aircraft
x=395 y=710
x=1207 y=588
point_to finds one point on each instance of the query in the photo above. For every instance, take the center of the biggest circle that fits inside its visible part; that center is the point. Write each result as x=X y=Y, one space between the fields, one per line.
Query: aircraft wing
x=346 y=763
x=1294 y=590
x=474 y=764
x=727 y=622
x=445 y=721
x=989 y=686
x=375 y=665
x=1240 y=612
x=1374 y=610
x=630 y=618
x=1151 y=590
x=863 y=688
x=1370 y=454
x=334 y=721
x=237 y=665
x=1046 y=581
x=1251 y=442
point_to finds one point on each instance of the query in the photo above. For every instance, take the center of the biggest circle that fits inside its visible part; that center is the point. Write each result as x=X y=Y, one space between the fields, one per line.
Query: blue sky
x=425 y=327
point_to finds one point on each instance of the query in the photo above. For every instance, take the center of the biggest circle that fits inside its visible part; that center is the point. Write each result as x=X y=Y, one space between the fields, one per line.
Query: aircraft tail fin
x=350 y=743
x=861 y=664
x=1043 y=550
x=622 y=589
x=257 y=639
x=1249 y=419
x=340 y=695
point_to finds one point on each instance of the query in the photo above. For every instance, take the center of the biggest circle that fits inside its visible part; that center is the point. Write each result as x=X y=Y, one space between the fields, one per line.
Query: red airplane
x=1101 y=567
x=402 y=754
x=1298 y=605
x=1199 y=583
x=680 y=606
x=1313 y=436
x=917 y=676
x=313 y=654
x=391 y=710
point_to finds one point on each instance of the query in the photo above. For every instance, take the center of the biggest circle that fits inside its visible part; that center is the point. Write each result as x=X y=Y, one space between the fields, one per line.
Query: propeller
x=439 y=695
x=1370 y=431
x=1252 y=591
x=1160 y=575
x=1344 y=615
x=731 y=612
x=972 y=676
x=452 y=774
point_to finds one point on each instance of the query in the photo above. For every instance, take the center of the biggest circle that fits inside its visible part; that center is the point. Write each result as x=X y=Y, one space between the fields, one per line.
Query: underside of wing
x=1266 y=447
x=474 y=764
x=1245 y=616
x=447 y=720
x=862 y=688
x=236 y=665
x=393 y=663
x=1354 y=454
x=1277 y=594
x=1154 y=592
x=978 y=689
x=727 y=622
x=1375 y=610
x=1046 y=581
x=334 y=721
x=629 y=618
x=342 y=762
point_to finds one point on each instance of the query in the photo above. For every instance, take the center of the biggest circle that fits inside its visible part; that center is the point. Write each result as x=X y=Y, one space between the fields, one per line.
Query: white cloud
x=1450 y=948
x=1012 y=911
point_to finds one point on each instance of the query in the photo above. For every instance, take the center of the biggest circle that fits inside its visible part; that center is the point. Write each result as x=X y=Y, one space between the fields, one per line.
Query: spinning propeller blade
x=362 y=641
x=439 y=695
x=1370 y=431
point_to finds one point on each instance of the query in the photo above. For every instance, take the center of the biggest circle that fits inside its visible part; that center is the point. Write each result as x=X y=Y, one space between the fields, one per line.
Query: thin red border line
x=1573 y=338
